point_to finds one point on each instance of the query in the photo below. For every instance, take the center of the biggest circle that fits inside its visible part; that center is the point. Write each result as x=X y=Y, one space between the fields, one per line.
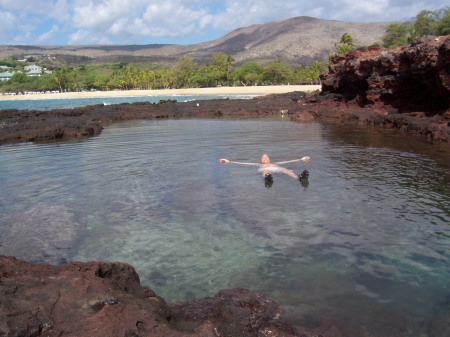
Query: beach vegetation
x=220 y=70
x=222 y=64
x=62 y=78
x=181 y=74
x=10 y=62
x=346 y=40
x=426 y=23
x=310 y=75
x=344 y=46
x=249 y=73
x=214 y=73
x=277 y=73
x=396 y=35
x=206 y=77
x=443 y=24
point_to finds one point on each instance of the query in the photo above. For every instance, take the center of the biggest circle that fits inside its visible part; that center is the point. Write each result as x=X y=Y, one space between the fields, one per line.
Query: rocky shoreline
x=107 y=299
x=407 y=88
x=62 y=124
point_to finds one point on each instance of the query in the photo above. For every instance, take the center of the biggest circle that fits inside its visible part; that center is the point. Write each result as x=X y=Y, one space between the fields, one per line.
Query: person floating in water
x=266 y=168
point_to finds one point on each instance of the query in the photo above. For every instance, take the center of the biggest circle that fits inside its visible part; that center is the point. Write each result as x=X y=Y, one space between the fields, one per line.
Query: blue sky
x=87 y=22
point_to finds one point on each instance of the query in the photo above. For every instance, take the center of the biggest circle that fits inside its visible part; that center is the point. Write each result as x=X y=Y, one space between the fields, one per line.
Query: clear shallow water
x=48 y=104
x=363 y=250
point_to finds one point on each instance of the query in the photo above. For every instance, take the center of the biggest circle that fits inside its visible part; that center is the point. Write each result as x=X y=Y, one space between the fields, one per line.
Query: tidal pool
x=363 y=250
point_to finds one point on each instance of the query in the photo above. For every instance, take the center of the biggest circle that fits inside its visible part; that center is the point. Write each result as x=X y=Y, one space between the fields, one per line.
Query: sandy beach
x=251 y=90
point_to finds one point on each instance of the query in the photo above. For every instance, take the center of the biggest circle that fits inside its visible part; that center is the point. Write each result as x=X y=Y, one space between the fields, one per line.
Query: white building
x=32 y=70
x=35 y=70
x=33 y=67
x=5 y=76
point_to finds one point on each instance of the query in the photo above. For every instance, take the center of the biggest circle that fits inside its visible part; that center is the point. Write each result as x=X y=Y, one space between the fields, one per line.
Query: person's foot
x=268 y=177
x=268 y=180
x=303 y=176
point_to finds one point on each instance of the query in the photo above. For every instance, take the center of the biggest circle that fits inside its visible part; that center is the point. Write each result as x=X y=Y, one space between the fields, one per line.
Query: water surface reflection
x=361 y=251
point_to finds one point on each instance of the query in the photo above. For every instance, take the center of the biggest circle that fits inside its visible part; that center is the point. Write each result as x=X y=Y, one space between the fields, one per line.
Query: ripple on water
x=356 y=247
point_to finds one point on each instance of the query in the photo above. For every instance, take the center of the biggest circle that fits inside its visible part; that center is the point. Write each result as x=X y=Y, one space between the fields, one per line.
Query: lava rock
x=107 y=299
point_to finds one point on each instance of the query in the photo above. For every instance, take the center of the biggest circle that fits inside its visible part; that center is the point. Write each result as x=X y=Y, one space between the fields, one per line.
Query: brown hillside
x=299 y=40
x=296 y=41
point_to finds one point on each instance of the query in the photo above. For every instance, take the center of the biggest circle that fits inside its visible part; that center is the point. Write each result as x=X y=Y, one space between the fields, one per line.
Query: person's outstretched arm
x=226 y=161
x=305 y=159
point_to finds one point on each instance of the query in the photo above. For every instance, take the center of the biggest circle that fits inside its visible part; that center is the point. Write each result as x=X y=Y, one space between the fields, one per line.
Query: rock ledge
x=107 y=299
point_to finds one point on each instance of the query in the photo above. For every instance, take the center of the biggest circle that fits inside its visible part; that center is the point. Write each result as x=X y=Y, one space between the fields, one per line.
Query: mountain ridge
x=296 y=41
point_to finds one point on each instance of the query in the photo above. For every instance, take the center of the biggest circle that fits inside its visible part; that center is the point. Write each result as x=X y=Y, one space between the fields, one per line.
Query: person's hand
x=224 y=161
x=306 y=159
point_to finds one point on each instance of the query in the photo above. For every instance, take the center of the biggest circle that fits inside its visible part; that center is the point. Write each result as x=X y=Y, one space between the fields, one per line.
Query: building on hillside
x=35 y=70
x=6 y=76
x=30 y=71
x=32 y=67
x=33 y=73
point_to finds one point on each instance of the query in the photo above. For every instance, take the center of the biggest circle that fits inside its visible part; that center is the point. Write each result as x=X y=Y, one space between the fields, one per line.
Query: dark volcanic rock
x=407 y=88
x=233 y=312
x=25 y=125
x=107 y=299
x=408 y=78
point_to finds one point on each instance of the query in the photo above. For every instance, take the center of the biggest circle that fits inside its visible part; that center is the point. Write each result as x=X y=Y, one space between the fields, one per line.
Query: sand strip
x=253 y=90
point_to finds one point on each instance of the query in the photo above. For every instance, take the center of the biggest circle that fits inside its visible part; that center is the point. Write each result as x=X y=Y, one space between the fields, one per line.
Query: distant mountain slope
x=296 y=41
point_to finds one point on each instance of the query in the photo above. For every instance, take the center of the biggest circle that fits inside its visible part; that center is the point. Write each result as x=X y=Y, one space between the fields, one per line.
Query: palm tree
x=345 y=45
x=346 y=39
x=230 y=62
x=61 y=77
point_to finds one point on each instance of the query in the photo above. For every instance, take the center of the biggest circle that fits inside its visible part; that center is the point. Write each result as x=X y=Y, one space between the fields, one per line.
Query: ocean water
x=48 y=104
x=362 y=250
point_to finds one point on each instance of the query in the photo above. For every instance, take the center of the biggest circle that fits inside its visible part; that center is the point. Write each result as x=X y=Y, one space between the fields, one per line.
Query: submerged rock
x=107 y=299
x=39 y=234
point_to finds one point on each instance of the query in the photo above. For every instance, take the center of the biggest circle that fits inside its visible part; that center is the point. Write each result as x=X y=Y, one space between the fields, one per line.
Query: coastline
x=250 y=90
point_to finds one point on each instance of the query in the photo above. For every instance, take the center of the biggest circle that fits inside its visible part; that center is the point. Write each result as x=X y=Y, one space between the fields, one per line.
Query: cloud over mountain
x=61 y=22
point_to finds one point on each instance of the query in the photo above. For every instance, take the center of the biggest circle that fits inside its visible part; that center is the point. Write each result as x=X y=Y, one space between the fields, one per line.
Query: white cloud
x=48 y=36
x=173 y=18
x=89 y=15
x=133 y=21
x=60 y=11
x=8 y=21
x=143 y=21
x=85 y=37
x=20 y=5
x=243 y=13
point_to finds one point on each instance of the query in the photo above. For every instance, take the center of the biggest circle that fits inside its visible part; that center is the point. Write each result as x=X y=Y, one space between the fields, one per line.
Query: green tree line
x=425 y=23
x=221 y=70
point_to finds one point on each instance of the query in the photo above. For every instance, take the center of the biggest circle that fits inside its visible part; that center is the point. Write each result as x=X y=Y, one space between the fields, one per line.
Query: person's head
x=265 y=159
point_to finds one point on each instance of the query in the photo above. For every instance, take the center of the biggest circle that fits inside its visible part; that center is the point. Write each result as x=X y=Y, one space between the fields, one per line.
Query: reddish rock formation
x=407 y=88
x=406 y=79
x=107 y=299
